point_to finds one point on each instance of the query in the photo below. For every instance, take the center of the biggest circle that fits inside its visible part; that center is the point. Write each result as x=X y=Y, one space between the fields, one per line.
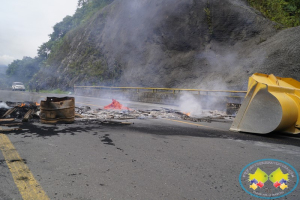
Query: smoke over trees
x=163 y=43
x=24 y=70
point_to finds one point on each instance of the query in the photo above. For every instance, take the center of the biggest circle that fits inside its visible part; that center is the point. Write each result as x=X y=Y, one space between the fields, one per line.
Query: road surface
x=150 y=159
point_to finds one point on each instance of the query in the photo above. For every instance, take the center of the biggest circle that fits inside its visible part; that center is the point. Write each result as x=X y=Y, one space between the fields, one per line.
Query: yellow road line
x=195 y=124
x=29 y=188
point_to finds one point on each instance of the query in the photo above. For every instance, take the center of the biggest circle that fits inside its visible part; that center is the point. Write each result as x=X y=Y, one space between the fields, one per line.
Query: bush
x=285 y=12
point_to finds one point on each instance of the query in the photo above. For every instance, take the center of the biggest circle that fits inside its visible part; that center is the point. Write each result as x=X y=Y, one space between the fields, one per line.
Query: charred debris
x=63 y=110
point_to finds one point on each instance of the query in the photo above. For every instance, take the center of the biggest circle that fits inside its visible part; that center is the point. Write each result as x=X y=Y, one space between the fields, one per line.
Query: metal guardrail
x=227 y=93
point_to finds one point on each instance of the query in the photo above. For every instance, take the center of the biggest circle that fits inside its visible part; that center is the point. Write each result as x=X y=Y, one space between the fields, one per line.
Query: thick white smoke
x=4 y=105
x=189 y=104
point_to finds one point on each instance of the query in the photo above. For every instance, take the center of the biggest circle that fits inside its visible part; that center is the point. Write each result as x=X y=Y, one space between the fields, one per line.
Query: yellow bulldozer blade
x=271 y=104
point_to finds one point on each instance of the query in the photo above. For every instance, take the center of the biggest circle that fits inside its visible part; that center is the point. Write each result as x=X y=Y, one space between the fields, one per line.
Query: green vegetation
x=4 y=83
x=56 y=91
x=285 y=12
x=208 y=18
x=89 y=65
x=51 y=53
x=23 y=70
x=85 y=9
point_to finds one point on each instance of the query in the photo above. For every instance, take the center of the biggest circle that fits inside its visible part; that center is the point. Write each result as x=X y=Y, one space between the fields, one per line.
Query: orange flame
x=37 y=104
x=188 y=114
x=22 y=105
x=115 y=105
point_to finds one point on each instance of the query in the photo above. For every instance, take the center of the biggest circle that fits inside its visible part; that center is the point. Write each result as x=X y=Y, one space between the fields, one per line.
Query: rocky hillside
x=207 y=44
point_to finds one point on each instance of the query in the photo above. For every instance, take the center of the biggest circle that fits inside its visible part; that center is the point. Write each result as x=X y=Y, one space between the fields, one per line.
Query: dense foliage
x=86 y=8
x=285 y=12
x=24 y=70
x=91 y=66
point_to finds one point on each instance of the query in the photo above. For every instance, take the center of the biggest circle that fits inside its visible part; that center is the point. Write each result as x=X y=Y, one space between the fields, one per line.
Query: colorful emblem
x=269 y=179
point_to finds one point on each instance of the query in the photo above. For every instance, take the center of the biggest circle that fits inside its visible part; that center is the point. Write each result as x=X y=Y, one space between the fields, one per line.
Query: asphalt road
x=150 y=159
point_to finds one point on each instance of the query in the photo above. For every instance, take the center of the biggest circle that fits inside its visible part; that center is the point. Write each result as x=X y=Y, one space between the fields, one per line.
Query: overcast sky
x=26 y=24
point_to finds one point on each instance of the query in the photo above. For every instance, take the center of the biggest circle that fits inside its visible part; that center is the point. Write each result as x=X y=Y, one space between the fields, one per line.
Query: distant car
x=18 y=86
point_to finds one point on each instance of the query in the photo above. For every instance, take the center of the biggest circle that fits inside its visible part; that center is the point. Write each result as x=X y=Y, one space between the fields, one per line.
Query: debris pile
x=87 y=113
x=62 y=110
x=232 y=108
x=18 y=110
x=12 y=114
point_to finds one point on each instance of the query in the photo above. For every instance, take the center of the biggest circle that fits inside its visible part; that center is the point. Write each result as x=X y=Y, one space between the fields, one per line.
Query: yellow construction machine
x=271 y=104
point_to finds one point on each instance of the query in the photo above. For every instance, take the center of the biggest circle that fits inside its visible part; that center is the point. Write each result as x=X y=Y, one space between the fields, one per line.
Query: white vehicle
x=18 y=86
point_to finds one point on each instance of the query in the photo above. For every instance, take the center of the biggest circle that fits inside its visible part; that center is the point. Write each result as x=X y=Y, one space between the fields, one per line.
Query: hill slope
x=173 y=43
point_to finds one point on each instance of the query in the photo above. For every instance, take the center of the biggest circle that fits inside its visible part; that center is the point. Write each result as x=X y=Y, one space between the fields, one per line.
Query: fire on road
x=152 y=158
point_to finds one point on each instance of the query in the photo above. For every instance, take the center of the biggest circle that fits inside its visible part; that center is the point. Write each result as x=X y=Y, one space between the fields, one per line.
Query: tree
x=82 y=3
x=61 y=28
x=23 y=70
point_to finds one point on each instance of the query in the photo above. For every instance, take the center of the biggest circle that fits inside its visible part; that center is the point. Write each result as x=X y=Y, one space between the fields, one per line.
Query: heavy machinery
x=271 y=104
